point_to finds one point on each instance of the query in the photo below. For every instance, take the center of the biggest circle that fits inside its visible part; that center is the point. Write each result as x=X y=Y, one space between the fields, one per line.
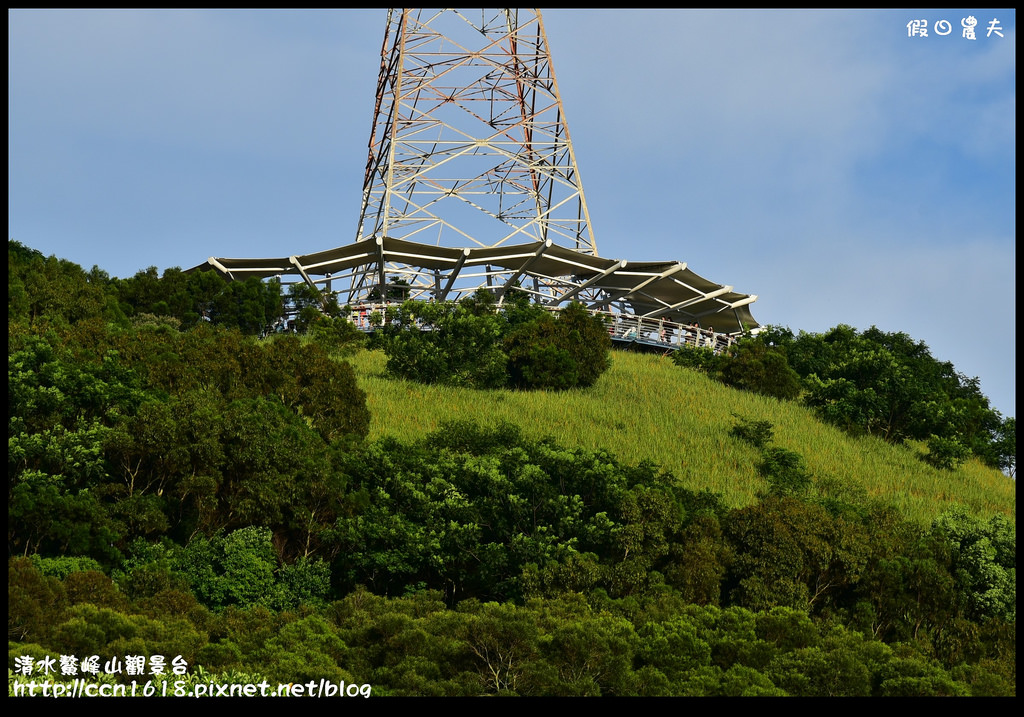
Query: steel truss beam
x=469 y=143
x=471 y=183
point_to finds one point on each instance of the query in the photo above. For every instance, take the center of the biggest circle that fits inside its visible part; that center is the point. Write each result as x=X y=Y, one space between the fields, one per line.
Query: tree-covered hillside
x=256 y=508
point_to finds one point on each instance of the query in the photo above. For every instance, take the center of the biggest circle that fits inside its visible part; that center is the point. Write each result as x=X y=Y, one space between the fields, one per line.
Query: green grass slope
x=647 y=409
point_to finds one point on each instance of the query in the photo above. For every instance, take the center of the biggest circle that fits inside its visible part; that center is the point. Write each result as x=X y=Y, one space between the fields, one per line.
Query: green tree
x=785 y=471
x=454 y=344
x=757 y=433
x=918 y=677
x=242 y=569
x=984 y=562
x=51 y=290
x=311 y=305
x=700 y=358
x=752 y=365
x=503 y=640
x=336 y=334
x=35 y=602
x=251 y=306
x=321 y=389
x=699 y=560
x=946 y=453
x=675 y=647
x=61 y=412
x=475 y=343
x=1003 y=453
x=304 y=650
x=889 y=385
x=793 y=554
x=567 y=351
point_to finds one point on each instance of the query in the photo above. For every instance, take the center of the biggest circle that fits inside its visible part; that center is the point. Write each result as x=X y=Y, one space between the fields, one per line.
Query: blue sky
x=823 y=160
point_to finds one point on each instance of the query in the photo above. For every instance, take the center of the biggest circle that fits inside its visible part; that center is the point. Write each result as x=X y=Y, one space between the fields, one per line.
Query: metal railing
x=622 y=328
x=662 y=332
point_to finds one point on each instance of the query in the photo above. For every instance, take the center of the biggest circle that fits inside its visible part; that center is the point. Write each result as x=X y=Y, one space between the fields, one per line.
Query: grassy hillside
x=646 y=408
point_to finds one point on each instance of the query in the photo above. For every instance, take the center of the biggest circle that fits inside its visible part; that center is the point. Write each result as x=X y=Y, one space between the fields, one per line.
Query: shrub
x=946 y=453
x=754 y=366
x=536 y=360
x=587 y=341
x=473 y=344
x=700 y=358
x=757 y=433
x=336 y=333
x=453 y=344
x=571 y=350
x=785 y=472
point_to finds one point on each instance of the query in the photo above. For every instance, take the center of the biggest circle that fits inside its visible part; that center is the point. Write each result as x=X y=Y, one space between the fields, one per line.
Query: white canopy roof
x=649 y=288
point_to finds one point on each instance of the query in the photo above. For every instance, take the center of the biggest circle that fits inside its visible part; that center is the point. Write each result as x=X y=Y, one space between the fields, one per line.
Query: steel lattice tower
x=471 y=184
x=469 y=144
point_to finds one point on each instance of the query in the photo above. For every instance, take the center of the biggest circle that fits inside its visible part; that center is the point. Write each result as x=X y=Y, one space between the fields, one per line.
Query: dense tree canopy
x=870 y=383
x=182 y=487
x=474 y=343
